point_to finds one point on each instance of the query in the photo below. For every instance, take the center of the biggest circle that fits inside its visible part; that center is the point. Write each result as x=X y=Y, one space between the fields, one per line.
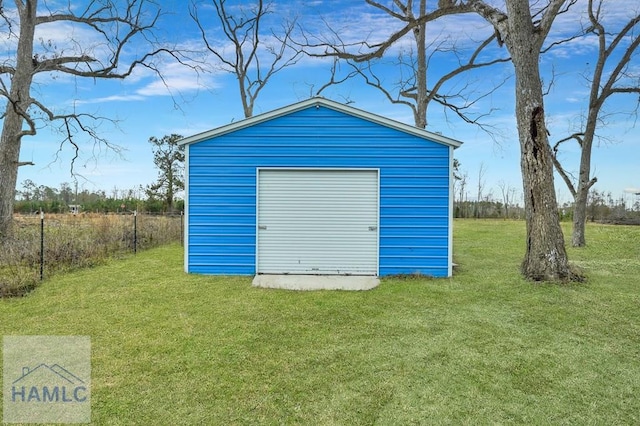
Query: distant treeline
x=35 y=198
x=601 y=207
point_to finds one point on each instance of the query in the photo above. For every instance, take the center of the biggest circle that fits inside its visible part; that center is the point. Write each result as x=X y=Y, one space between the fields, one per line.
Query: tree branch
x=564 y=175
x=377 y=50
x=99 y=19
x=550 y=12
x=245 y=62
x=470 y=65
x=333 y=81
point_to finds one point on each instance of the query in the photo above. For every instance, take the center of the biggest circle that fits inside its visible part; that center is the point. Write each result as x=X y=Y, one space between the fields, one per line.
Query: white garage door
x=318 y=222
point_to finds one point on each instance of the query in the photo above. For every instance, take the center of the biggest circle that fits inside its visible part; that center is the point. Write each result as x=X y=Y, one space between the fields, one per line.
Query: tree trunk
x=545 y=258
x=585 y=182
x=170 y=188
x=17 y=105
x=420 y=113
x=579 y=218
x=9 y=154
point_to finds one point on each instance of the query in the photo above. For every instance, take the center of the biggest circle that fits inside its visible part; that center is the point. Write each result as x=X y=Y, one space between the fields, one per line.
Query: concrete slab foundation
x=316 y=282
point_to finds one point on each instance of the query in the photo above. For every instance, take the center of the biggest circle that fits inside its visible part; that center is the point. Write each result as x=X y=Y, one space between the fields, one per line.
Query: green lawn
x=484 y=347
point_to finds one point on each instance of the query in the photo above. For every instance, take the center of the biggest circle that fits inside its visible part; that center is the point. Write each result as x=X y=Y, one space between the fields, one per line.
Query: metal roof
x=319 y=101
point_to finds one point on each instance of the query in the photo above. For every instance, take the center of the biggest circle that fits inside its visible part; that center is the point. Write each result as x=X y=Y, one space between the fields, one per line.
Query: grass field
x=484 y=347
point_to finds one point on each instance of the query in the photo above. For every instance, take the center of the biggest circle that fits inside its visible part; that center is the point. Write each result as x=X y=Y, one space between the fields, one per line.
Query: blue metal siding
x=414 y=188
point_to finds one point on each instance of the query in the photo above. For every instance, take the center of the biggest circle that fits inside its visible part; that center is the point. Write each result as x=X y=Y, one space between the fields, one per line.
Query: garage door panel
x=318 y=221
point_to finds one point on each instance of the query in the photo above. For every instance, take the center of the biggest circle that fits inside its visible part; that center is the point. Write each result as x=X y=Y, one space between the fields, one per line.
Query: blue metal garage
x=319 y=188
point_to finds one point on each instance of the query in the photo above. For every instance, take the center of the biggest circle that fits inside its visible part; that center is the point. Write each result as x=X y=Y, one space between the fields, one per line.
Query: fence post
x=182 y=228
x=41 y=245
x=135 y=231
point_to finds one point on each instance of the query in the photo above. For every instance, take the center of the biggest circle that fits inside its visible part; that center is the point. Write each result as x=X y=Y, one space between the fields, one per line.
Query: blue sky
x=143 y=106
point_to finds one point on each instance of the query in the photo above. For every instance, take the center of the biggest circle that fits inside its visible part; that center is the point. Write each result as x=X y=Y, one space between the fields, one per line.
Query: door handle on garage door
x=373 y=228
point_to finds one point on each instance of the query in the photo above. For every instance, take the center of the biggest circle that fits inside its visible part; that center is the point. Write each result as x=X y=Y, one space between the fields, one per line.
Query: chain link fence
x=46 y=244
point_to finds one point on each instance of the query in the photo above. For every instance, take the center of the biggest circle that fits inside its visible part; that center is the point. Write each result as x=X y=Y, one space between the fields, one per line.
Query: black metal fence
x=45 y=244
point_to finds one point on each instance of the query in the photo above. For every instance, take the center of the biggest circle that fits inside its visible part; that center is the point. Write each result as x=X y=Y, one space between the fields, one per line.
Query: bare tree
x=481 y=182
x=611 y=75
x=462 y=197
x=508 y=193
x=456 y=174
x=115 y=24
x=252 y=60
x=459 y=182
x=524 y=32
x=411 y=87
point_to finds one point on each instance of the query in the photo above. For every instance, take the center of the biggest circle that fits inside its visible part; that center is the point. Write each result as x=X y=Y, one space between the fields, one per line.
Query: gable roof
x=53 y=372
x=318 y=101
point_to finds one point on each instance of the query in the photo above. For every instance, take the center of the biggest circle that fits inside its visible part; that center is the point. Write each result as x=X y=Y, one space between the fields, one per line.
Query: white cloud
x=112 y=98
x=178 y=78
x=174 y=79
x=170 y=84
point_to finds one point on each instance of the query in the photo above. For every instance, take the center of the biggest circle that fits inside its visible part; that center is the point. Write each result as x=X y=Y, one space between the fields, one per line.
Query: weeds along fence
x=43 y=245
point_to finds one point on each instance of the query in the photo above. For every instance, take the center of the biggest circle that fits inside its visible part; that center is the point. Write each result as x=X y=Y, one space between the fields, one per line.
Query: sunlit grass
x=483 y=347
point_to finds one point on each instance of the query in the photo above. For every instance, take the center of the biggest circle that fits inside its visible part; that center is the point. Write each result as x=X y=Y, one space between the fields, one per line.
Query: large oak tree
x=524 y=32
